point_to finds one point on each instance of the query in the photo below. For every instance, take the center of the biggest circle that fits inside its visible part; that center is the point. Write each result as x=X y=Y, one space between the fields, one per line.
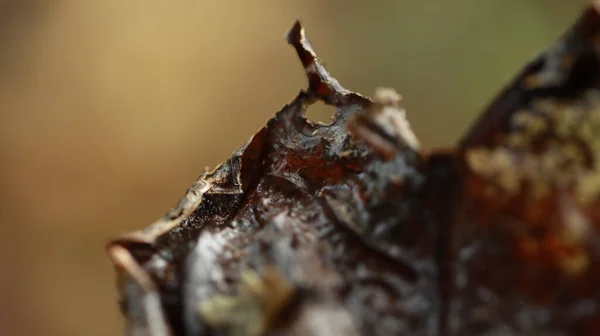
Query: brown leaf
x=352 y=229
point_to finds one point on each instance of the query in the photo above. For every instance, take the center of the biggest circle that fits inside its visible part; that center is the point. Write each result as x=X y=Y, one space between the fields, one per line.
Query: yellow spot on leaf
x=259 y=301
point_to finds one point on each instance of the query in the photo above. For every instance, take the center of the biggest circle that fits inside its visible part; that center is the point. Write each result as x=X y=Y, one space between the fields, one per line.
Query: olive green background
x=110 y=109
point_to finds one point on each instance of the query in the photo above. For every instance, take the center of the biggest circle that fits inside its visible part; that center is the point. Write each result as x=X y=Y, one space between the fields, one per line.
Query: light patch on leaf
x=260 y=299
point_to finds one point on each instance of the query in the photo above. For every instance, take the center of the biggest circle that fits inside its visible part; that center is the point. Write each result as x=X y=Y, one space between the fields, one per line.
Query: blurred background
x=110 y=109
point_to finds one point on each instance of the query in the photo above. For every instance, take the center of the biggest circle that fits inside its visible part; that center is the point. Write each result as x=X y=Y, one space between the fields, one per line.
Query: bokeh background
x=110 y=109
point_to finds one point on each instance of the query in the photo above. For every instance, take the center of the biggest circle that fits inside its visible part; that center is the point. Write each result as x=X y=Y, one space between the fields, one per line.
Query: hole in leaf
x=320 y=113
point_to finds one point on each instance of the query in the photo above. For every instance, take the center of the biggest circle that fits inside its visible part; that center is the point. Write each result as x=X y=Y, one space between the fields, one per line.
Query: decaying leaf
x=352 y=229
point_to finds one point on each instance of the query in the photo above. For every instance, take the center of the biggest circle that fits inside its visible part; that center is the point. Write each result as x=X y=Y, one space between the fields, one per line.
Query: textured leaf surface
x=352 y=229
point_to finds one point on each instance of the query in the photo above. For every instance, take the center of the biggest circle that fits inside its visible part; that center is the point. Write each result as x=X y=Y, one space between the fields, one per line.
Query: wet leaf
x=352 y=228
